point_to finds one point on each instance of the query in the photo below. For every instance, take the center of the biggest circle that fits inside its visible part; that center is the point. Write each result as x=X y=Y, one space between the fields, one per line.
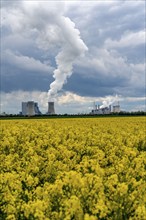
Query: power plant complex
x=31 y=108
x=101 y=111
x=98 y=110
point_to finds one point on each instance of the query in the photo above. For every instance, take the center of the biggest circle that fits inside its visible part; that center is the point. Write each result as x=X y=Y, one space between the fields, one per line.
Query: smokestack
x=51 y=109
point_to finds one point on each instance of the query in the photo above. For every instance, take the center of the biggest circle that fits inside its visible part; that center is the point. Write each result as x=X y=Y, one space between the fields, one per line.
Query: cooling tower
x=51 y=109
x=116 y=108
x=30 y=108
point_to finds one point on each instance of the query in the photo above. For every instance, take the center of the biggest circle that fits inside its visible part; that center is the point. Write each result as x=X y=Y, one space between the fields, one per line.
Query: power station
x=101 y=111
x=105 y=110
x=51 y=109
x=30 y=108
x=116 y=108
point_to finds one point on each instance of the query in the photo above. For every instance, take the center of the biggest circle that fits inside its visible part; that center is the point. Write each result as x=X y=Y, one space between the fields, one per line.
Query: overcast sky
x=80 y=51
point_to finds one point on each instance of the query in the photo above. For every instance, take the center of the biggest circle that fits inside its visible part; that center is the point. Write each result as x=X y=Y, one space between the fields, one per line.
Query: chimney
x=51 y=109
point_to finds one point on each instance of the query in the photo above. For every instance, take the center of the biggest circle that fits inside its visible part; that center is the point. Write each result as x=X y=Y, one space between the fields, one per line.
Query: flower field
x=73 y=169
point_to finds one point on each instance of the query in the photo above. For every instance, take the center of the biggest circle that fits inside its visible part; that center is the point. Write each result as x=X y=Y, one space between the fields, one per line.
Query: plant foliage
x=73 y=169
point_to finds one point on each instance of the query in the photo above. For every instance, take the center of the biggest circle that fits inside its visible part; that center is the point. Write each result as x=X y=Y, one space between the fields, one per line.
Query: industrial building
x=51 y=109
x=105 y=110
x=101 y=111
x=30 y=108
x=116 y=108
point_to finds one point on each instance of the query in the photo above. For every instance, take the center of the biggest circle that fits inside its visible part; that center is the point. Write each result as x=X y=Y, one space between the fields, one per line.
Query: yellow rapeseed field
x=73 y=169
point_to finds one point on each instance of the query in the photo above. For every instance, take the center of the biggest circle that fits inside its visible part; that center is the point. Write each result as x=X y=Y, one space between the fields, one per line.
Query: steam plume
x=109 y=100
x=71 y=49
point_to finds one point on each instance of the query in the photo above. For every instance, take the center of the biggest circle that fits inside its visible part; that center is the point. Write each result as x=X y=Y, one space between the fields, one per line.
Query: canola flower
x=65 y=169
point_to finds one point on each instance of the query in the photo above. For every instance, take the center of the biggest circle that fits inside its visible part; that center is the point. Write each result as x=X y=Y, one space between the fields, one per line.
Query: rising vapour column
x=51 y=109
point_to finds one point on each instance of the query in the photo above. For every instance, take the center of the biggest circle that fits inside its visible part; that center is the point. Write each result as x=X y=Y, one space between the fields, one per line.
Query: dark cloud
x=13 y=79
x=134 y=55
x=95 y=86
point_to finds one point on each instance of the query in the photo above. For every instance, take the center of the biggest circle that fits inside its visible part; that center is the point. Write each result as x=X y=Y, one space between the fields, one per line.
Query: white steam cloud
x=109 y=100
x=51 y=30
x=71 y=49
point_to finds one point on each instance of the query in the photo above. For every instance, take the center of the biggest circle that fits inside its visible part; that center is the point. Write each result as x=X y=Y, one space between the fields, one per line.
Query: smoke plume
x=72 y=47
x=109 y=100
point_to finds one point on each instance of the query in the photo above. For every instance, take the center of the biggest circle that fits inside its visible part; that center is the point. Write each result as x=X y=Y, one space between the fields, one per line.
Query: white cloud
x=69 y=97
x=25 y=62
x=138 y=75
x=133 y=99
x=128 y=39
x=106 y=63
x=12 y=18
